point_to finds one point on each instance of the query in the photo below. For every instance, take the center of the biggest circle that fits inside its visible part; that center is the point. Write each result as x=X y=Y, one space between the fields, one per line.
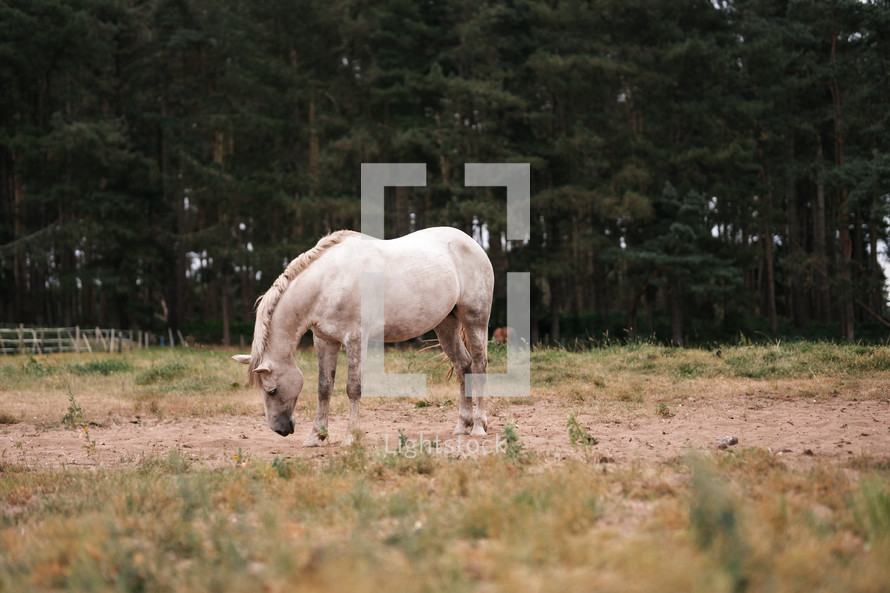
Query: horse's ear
x=242 y=358
x=263 y=368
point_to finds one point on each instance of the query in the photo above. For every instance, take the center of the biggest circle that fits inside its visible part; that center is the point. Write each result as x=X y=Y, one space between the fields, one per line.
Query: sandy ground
x=803 y=431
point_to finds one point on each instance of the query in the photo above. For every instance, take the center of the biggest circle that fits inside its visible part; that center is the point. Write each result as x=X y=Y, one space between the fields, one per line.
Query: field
x=154 y=471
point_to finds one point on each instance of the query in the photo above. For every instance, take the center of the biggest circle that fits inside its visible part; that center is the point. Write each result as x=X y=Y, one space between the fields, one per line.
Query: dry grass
x=362 y=520
x=157 y=382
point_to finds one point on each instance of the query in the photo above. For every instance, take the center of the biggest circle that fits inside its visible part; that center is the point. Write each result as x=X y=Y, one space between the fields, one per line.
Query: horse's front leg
x=353 y=390
x=326 y=352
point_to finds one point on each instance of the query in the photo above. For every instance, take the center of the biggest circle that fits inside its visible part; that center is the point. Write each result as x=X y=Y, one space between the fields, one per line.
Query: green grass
x=794 y=359
x=597 y=367
x=103 y=366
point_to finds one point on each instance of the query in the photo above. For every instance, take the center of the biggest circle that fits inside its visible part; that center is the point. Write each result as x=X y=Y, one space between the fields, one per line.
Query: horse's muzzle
x=285 y=428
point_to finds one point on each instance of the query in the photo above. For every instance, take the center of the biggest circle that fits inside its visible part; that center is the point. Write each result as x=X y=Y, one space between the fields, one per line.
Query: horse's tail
x=464 y=337
x=444 y=359
x=466 y=340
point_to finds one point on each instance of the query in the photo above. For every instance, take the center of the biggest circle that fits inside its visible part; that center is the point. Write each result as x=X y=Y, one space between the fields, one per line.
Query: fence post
x=170 y=334
x=21 y=332
x=77 y=339
x=101 y=337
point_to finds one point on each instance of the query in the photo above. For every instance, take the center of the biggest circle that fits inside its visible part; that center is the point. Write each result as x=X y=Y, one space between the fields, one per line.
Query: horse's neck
x=287 y=326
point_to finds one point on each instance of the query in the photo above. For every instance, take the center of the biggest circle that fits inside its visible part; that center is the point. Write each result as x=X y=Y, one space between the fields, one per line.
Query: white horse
x=434 y=279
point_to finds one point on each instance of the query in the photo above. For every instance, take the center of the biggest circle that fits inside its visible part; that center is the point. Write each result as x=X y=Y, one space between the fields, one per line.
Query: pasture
x=154 y=471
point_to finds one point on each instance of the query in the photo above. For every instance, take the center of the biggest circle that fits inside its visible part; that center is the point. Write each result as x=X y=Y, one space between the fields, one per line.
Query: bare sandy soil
x=801 y=430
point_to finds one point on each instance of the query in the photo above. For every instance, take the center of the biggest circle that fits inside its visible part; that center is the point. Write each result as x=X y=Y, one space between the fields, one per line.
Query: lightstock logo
x=376 y=382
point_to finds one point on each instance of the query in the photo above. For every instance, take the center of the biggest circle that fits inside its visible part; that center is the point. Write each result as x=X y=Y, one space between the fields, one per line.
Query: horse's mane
x=266 y=303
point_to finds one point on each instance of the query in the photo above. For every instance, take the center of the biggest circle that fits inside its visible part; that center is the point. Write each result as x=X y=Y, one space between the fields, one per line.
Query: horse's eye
x=273 y=391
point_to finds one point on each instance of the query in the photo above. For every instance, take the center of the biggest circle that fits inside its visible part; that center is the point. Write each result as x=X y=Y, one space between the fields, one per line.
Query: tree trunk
x=820 y=251
x=313 y=147
x=498 y=258
x=875 y=299
x=172 y=186
x=555 y=280
x=845 y=246
x=555 y=307
x=7 y=212
x=402 y=211
x=845 y=241
x=226 y=306
x=770 y=281
x=20 y=272
x=798 y=304
x=675 y=310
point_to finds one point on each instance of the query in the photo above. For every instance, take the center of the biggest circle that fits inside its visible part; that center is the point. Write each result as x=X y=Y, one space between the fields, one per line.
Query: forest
x=701 y=170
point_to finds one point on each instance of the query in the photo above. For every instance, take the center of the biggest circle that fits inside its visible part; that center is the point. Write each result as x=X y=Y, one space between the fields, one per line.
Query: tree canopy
x=698 y=168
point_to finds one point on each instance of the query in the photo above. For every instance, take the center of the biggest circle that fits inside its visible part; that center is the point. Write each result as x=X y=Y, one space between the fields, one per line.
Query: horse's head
x=280 y=385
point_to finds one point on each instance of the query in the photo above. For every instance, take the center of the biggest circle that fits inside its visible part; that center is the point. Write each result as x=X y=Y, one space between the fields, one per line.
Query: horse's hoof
x=478 y=430
x=314 y=440
x=460 y=429
x=351 y=438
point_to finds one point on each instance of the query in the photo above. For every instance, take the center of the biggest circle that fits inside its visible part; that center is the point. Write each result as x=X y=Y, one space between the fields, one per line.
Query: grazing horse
x=434 y=279
x=502 y=335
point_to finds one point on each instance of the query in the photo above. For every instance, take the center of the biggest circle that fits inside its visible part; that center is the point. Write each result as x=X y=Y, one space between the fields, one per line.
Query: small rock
x=727 y=442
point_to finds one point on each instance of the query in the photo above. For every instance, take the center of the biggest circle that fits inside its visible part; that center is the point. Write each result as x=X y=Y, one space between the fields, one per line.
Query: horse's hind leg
x=448 y=333
x=326 y=352
x=475 y=336
x=353 y=389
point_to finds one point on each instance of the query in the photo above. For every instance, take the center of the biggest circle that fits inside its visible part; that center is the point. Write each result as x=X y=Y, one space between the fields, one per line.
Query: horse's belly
x=415 y=307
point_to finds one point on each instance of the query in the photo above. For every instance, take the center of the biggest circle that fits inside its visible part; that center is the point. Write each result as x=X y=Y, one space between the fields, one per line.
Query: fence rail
x=46 y=340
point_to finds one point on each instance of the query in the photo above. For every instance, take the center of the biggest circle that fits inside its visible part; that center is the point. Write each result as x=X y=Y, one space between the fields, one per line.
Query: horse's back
x=427 y=274
x=437 y=239
x=468 y=261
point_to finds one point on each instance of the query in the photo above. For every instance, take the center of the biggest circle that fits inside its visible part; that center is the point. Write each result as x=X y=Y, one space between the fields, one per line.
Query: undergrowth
x=365 y=521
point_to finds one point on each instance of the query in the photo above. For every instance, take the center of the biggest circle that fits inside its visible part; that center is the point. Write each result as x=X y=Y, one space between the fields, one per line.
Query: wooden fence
x=46 y=340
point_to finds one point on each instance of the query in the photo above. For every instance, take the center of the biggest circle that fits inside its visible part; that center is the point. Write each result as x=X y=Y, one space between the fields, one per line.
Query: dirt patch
x=801 y=430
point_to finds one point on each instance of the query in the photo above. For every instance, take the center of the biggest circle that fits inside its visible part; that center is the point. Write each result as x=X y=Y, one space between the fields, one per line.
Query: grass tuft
x=163 y=373
x=105 y=366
